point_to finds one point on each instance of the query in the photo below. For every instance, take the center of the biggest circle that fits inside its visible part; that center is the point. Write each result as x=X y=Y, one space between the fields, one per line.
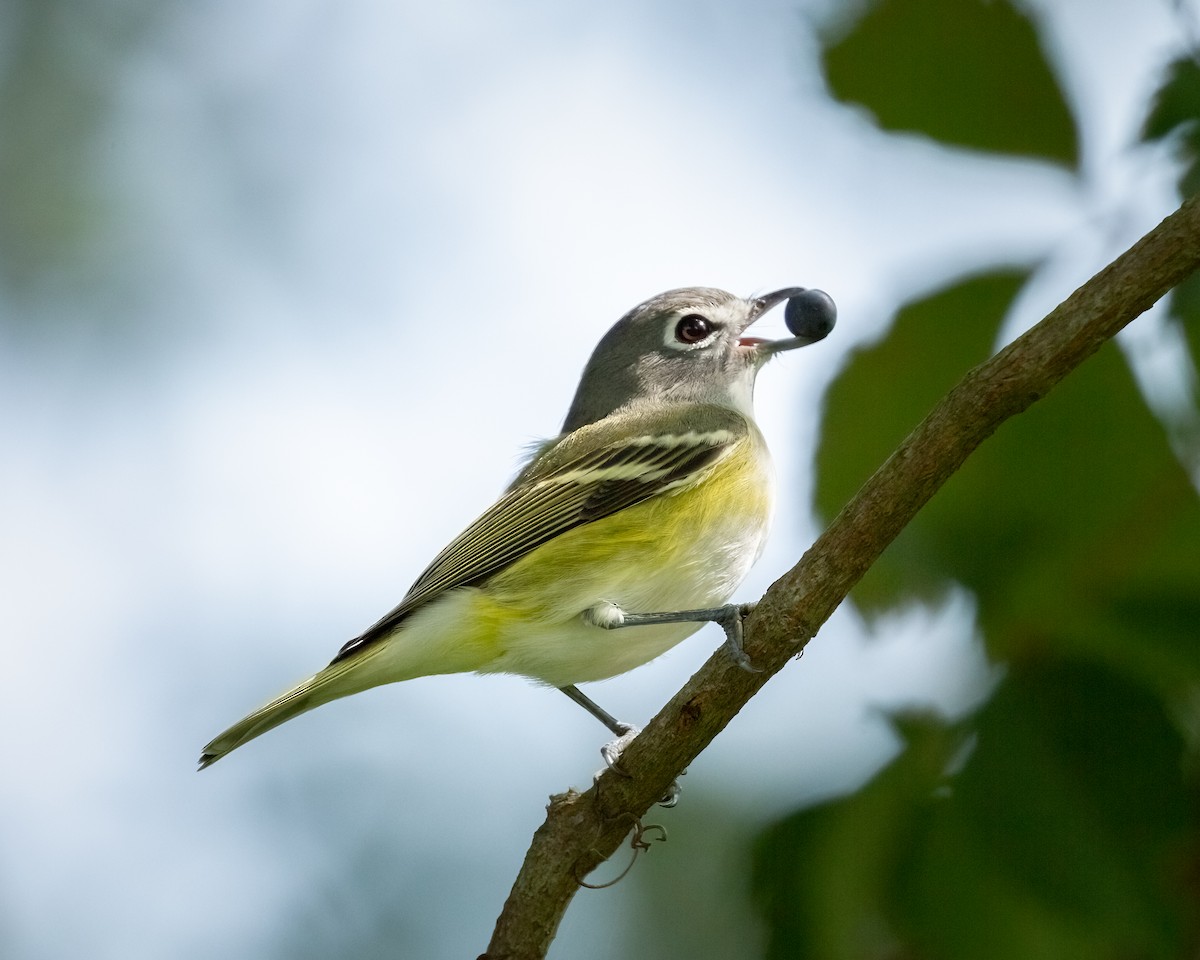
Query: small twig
x=582 y=830
x=637 y=843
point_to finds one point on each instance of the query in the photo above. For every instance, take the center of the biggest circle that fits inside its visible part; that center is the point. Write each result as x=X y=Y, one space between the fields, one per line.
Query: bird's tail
x=336 y=680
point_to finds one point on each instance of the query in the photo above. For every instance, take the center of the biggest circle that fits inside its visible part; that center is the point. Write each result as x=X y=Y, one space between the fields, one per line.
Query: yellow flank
x=661 y=534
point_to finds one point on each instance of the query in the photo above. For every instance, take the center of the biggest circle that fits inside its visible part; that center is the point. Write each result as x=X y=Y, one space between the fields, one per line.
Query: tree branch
x=582 y=830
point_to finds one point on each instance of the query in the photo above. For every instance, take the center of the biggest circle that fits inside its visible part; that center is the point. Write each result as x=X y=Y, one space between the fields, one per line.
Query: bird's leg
x=597 y=711
x=611 y=617
x=625 y=732
x=729 y=618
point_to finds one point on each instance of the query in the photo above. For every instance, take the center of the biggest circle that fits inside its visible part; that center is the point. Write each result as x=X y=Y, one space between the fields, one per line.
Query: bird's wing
x=565 y=486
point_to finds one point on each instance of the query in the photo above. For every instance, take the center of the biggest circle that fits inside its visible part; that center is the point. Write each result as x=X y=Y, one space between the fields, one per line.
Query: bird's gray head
x=684 y=345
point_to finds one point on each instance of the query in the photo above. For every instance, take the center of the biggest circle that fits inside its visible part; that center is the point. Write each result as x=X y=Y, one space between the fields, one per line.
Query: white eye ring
x=690 y=331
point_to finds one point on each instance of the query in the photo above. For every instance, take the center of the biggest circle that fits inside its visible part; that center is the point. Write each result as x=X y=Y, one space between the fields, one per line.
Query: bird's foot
x=611 y=752
x=732 y=617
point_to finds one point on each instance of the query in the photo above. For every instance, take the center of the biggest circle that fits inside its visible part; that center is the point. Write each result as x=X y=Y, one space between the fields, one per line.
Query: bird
x=617 y=539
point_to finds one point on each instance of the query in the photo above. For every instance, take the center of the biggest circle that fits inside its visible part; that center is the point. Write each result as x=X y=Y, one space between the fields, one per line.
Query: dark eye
x=693 y=328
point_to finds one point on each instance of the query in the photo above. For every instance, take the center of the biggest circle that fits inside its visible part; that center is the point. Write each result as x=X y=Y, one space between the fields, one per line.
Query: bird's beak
x=759 y=306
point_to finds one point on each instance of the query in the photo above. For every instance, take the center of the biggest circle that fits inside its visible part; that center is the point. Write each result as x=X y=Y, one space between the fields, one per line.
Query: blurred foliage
x=684 y=898
x=1075 y=526
x=964 y=72
x=1175 y=115
x=1065 y=831
x=887 y=390
x=1062 y=819
x=1186 y=304
x=60 y=75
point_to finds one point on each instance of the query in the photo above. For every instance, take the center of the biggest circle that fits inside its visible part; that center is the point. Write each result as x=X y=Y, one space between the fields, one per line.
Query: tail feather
x=330 y=684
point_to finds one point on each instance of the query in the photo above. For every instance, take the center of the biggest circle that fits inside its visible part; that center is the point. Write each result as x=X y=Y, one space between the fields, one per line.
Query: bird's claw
x=731 y=622
x=611 y=752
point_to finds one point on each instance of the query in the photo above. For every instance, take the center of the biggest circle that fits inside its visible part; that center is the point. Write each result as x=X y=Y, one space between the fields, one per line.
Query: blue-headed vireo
x=645 y=512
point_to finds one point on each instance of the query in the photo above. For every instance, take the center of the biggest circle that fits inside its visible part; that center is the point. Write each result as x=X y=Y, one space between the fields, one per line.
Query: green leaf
x=1078 y=530
x=1075 y=526
x=1070 y=831
x=1185 y=307
x=822 y=878
x=966 y=72
x=1176 y=111
x=884 y=391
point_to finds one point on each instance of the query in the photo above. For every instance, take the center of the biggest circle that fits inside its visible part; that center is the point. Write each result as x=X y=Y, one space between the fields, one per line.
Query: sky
x=354 y=259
